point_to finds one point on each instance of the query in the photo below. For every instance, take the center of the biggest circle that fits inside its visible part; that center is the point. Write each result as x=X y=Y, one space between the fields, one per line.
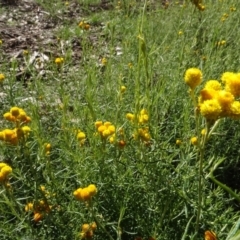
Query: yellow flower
x=203 y=132
x=130 y=65
x=193 y=77
x=101 y=129
x=29 y=207
x=2 y=77
x=194 y=141
x=85 y=227
x=59 y=60
x=235 y=110
x=92 y=189
x=232 y=83
x=47 y=147
x=25 y=52
x=207 y=94
x=15 y=111
x=85 y=194
x=8 y=116
x=84 y=25
x=225 y=99
x=210 y=235
x=130 y=116
x=104 y=61
x=178 y=142
x=37 y=217
x=98 y=124
x=213 y=84
x=123 y=89
x=93 y=226
x=201 y=7
x=1 y=42
x=210 y=109
x=81 y=136
x=5 y=170
x=180 y=33
x=26 y=130
x=87 y=26
x=232 y=9
x=223 y=42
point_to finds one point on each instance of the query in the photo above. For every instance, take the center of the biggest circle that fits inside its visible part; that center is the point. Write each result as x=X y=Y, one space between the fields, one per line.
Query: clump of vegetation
x=125 y=125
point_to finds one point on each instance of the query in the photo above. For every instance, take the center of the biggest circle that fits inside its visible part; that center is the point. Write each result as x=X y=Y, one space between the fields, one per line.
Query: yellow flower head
x=193 y=77
x=81 y=136
x=178 y=142
x=59 y=60
x=194 y=141
x=26 y=130
x=2 y=77
x=85 y=227
x=29 y=207
x=123 y=89
x=210 y=235
x=98 y=124
x=207 y=94
x=235 y=110
x=92 y=189
x=15 y=111
x=213 y=84
x=37 y=217
x=104 y=61
x=232 y=83
x=8 y=116
x=47 y=147
x=201 y=7
x=225 y=99
x=5 y=170
x=130 y=116
x=203 y=132
x=210 y=109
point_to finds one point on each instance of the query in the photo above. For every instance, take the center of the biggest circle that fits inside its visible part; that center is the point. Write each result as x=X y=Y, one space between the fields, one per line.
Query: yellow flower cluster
x=47 y=148
x=19 y=117
x=198 y=4
x=221 y=43
x=224 y=17
x=39 y=208
x=85 y=194
x=218 y=100
x=84 y=25
x=141 y=119
x=105 y=129
x=5 y=170
x=87 y=230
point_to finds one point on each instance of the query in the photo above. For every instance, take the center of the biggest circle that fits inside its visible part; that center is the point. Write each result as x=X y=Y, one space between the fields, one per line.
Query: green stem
x=200 y=181
x=103 y=228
